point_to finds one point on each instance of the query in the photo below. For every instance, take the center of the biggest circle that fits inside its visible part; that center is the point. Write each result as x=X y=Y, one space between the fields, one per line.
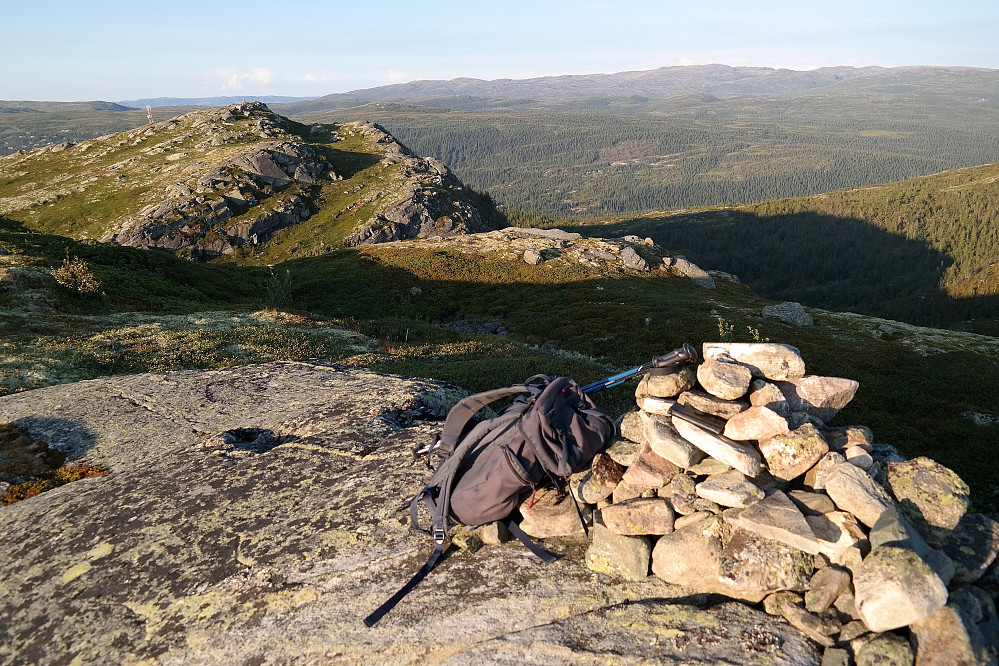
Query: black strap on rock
x=380 y=612
x=529 y=543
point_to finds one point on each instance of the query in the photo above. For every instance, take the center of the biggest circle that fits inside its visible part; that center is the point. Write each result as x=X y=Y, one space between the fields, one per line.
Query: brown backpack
x=551 y=430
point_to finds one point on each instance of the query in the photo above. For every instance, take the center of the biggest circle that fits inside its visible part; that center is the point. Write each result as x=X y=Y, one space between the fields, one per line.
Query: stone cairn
x=870 y=555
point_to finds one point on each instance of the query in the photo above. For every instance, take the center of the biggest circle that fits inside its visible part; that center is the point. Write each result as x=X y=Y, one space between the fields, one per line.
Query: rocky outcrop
x=256 y=514
x=249 y=165
x=208 y=182
x=432 y=204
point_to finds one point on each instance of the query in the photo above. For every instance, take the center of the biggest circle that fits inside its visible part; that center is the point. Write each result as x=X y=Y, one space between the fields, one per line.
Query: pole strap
x=380 y=612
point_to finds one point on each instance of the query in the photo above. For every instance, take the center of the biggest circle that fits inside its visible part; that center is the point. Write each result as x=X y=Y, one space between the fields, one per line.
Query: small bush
x=75 y=275
x=58 y=477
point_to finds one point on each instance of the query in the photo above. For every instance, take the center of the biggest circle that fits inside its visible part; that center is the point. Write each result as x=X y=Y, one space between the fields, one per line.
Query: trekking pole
x=673 y=360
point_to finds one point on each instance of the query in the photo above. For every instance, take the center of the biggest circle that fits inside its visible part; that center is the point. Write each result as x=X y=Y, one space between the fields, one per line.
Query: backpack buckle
x=440 y=534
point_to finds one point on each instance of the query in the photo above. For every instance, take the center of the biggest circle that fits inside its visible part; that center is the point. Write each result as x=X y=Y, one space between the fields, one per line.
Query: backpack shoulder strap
x=465 y=409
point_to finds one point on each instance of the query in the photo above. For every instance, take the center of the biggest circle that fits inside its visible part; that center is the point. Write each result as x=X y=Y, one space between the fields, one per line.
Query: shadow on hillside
x=7 y=224
x=347 y=164
x=842 y=264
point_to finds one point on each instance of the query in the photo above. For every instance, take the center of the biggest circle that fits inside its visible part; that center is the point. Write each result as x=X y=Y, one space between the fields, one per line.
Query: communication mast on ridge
x=149 y=113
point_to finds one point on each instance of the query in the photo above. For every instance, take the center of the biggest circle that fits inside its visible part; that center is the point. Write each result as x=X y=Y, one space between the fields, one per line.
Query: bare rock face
x=739 y=455
x=731 y=489
x=665 y=441
x=776 y=517
x=255 y=514
x=758 y=422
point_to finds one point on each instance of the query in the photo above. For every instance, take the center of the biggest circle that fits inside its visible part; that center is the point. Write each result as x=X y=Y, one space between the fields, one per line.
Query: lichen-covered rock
x=730 y=489
x=776 y=517
x=894 y=588
x=790 y=455
x=623 y=451
x=613 y=553
x=765 y=359
x=639 y=517
x=201 y=554
x=585 y=488
x=752 y=566
x=666 y=385
x=633 y=427
x=789 y=312
x=972 y=546
x=724 y=378
x=883 y=650
x=650 y=632
x=772 y=603
x=697 y=275
x=681 y=493
x=930 y=493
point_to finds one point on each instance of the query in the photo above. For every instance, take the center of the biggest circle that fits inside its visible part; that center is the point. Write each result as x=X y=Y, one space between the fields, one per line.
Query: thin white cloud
x=233 y=80
x=395 y=76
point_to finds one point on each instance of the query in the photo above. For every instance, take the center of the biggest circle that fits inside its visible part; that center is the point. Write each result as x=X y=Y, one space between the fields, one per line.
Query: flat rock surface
x=200 y=548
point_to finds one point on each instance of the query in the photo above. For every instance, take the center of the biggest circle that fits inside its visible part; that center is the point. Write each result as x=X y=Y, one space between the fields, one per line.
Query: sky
x=76 y=50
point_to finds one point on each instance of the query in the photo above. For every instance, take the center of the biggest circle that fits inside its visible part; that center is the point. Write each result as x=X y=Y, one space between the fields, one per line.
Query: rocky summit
x=207 y=183
x=256 y=514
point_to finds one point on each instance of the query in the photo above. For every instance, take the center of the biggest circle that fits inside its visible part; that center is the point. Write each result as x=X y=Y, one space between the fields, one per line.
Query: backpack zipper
x=517 y=468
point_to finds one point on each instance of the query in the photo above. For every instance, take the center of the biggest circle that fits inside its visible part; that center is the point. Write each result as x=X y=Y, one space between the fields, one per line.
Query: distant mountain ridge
x=658 y=83
x=29 y=106
x=224 y=100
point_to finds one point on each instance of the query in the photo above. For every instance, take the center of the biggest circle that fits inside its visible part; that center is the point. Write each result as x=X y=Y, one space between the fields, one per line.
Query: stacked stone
x=870 y=555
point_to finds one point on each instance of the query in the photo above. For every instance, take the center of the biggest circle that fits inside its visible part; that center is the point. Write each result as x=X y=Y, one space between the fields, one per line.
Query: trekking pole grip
x=685 y=354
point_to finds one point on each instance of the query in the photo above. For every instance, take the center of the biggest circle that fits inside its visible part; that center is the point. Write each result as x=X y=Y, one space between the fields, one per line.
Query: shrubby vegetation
x=922 y=250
